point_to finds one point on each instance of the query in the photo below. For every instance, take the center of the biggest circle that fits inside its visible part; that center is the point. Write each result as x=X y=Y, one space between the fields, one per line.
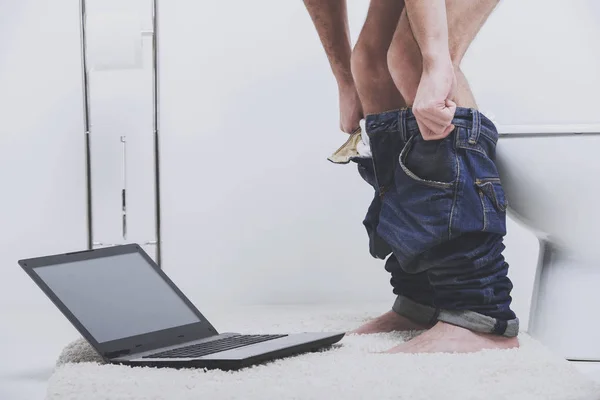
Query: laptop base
x=240 y=358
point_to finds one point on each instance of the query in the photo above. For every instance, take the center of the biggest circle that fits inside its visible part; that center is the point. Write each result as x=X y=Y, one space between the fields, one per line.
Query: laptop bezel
x=129 y=345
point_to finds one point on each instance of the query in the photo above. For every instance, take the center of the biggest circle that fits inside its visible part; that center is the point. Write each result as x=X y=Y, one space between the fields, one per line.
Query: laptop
x=127 y=308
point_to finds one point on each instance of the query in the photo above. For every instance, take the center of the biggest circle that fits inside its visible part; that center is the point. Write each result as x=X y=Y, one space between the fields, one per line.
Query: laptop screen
x=117 y=296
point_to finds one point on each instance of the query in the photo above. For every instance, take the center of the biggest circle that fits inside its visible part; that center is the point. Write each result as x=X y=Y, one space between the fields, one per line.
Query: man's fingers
x=425 y=132
x=441 y=116
x=432 y=131
x=437 y=121
x=447 y=131
x=451 y=105
x=432 y=126
x=347 y=130
x=431 y=135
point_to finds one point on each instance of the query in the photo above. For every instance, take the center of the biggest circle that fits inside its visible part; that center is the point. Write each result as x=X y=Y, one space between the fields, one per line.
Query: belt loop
x=476 y=127
x=402 y=124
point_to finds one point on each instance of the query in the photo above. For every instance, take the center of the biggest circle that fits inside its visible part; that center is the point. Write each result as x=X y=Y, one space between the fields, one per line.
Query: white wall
x=536 y=62
x=42 y=172
x=42 y=154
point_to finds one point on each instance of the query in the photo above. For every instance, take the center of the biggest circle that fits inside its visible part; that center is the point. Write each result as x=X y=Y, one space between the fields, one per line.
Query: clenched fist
x=433 y=107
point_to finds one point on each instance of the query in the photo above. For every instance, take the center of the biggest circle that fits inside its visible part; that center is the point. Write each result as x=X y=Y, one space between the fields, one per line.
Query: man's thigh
x=465 y=20
x=381 y=22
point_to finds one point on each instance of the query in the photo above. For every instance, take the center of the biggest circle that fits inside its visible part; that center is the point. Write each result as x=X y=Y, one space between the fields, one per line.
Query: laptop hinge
x=117 y=353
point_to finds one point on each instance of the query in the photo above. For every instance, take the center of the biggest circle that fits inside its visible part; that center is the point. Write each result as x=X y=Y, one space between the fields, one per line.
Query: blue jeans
x=439 y=217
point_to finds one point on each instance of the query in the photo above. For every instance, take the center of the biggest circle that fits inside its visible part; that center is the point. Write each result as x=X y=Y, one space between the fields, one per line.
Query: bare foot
x=447 y=338
x=388 y=322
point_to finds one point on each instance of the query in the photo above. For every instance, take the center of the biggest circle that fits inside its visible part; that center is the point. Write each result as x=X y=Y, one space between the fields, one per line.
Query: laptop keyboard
x=215 y=346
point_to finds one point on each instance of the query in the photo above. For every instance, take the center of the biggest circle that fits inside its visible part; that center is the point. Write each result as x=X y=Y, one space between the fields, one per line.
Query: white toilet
x=540 y=86
x=552 y=182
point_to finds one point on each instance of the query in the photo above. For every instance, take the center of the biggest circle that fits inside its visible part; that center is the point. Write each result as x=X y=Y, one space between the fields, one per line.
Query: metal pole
x=155 y=104
x=86 y=122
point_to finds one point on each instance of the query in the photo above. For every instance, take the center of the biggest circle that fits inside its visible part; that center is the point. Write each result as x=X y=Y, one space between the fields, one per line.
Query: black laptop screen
x=117 y=297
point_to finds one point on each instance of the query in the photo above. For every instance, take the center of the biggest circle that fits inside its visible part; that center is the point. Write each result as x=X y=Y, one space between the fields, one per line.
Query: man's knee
x=368 y=60
x=458 y=48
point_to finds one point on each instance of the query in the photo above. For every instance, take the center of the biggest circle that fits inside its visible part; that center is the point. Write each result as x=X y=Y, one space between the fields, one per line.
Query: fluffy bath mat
x=351 y=371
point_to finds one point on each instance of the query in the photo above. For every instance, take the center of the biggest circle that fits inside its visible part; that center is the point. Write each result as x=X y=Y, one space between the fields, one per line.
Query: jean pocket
x=432 y=163
x=493 y=203
x=416 y=215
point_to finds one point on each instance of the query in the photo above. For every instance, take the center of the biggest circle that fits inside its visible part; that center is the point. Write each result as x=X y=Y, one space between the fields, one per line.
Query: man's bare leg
x=370 y=71
x=378 y=93
x=465 y=19
x=362 y=76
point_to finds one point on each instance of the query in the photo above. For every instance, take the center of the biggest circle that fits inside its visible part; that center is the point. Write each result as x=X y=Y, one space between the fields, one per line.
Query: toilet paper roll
x=114 y=41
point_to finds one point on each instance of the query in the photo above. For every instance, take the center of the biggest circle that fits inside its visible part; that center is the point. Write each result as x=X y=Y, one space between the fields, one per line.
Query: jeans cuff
x=414 y=311
x=426 y=315
x=480 y=323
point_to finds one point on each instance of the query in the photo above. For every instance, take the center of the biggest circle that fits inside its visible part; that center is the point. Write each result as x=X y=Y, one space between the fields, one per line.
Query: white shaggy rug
x=351 y=371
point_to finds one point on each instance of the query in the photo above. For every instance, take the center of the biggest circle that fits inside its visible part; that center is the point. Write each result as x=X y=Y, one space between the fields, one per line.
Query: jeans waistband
x=404 y=120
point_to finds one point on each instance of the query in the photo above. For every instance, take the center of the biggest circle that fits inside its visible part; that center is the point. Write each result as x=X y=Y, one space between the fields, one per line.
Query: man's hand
x=350 y=109
x=433 y=106
x=331 y=21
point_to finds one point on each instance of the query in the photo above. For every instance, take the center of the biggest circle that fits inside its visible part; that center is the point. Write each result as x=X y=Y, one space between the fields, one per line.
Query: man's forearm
x=429 y=24
x=331 y=21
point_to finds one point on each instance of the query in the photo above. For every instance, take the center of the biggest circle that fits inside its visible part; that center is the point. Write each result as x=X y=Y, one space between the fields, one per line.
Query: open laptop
x=133 y=314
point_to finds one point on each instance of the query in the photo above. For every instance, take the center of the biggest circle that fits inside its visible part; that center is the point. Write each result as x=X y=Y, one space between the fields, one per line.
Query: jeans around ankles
x=439 y=216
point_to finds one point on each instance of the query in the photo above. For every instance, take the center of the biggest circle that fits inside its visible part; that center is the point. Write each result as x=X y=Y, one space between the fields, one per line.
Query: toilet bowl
x=551 y=176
